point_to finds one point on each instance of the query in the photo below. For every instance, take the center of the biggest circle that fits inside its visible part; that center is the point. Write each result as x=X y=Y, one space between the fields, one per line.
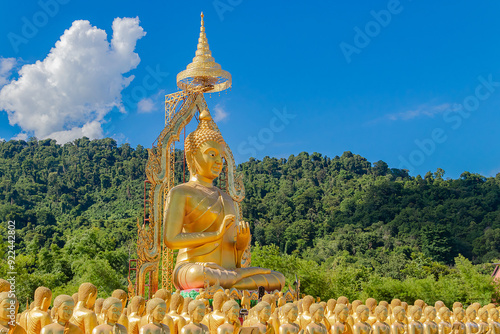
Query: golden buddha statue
x=470 y=326
x=37 y=318
x=196 y=309
x=232 y=324
x=112 y=310
x=494 y=327
x=97 y=310
x=372 y=304
x=263 y=313
x=281 y=299
x=305 y=317
x=380 y=326
x=354 y=307
x=456 y=305
x=458 y=325
x=437 y=305
x=167 y=320
x=483 y=320
x=200 y=221
x=273 y=319
x=217 y=317
x=430 y=326
x=361 y=326
x=290 y=313
x=394 y=303
x=415 y=326
x=156 y=308
x=316 y=325
x=122 y=295
x=137 y=308
x=8 y=314
x=246 y=300
x=444 y=326
x=420 y=303
x=185 y=312
x=83 y=316
x=341 y=326
x=176 y=303
x=63 y=310
x=399 y=315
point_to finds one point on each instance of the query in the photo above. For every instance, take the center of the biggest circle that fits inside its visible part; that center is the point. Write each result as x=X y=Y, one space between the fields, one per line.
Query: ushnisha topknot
x=203 y=133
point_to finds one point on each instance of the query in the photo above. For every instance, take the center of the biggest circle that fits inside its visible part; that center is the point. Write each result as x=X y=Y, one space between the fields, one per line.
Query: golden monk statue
x=494 y=324
x=263 y=312
x=122 y=295
x=200 y=221
x=8 y=313
x=217 y=317
x=97 y=310
x=83 y=316
x=415 y=326
x=341 y=326
x=458 y=315
x=316 y=325
x=273 y=319
x=482 y=314
x=196 y=309
x=290 y=314
x=166 y=296
x=470 y=326
x=185 y=311
x=232 y=323
x=137 y=308
x=380 y=326
x=398 y=326
x=175 y=304
x=444 y=326
x=63 y=310
x=37 y=318
x=112 y=310
x=305 y=318
x=157 y=308
x=430 y=326
x=372 y=304
x=361 y=326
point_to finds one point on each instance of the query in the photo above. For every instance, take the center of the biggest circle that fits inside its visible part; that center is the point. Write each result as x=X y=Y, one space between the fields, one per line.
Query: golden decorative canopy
x=204 y=73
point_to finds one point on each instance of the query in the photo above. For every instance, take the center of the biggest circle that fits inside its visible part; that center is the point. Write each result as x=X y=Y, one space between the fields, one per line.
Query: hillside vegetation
x=344 y=225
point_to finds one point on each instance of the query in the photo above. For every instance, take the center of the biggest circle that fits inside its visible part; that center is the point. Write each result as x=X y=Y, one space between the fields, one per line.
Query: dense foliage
x=344 y=225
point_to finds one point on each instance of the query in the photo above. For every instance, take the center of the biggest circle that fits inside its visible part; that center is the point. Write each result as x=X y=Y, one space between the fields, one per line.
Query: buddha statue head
x=98 y=305
x=458 y=313
x=8 y=307
x=63 y=308
x=381 y=313
x=165 y=295
x=263 y=311
x=307 y=302
x=205 y=149
x=176 y=302
x=185 y=305
x=122 y=295
x=493 y=313
x=291 y=312
x=438 y=304
x=4 y=285
x=43 y=298
x=87 y=293
x=317 y=312
x=196 y=309
x=231 y=310
x=270 y=299
x=156 y=309
x=483 y=314
x=415 y=312
x=430 y=313
x=444 y=313
x=471 y=313
x=218 y=301
x=399 y=313
x=330 y=305
x=341 y=312
x=112 y=309
x=363 y=312
x=371 y=303
x=137 y=305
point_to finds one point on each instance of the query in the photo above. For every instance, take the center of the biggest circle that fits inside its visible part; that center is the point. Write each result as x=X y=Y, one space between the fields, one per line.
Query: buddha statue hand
x=228 y=220
x=243 y=236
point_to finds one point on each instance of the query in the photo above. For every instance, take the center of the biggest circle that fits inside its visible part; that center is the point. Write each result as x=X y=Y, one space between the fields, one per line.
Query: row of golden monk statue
x=84 y=313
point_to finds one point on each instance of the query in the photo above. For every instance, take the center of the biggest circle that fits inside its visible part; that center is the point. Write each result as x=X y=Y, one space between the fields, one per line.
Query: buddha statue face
x=343 y=314
x=65 y=311
x=114 y=312
x=445 y=315
x=207 y=160
x=293 y=314
x=159 y=312
x=233 y=314
x=494 y=314
x=382 y=315
x=198 y=313
x=319 y=315
x=400 y=316
x=265 y=314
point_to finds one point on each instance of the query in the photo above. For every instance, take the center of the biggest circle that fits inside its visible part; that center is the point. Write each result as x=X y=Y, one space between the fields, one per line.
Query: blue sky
x=413 y=83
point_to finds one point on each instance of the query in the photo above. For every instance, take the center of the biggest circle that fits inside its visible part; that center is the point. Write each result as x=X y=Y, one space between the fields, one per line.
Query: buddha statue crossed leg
x=199 y=220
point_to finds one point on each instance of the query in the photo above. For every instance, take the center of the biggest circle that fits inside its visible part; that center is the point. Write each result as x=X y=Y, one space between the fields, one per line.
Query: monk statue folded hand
x=200 y=220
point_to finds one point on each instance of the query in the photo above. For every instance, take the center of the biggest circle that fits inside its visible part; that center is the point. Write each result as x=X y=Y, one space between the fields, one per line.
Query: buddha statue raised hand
x=200 y=220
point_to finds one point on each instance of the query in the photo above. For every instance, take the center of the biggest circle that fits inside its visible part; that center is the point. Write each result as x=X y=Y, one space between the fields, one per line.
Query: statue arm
x=173 y=221
x=90 y=323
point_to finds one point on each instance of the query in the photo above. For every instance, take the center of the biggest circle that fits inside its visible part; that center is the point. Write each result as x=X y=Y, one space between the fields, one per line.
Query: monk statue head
x=4 y=285
x=137 y=305
x=122 y=295
x=63 y=308
x=112 y=309
x=204 y=149
x=156 y=309
x=7 y=300
x=231 y=310
x=196 y=309
x=43 y=298
x=87 y=293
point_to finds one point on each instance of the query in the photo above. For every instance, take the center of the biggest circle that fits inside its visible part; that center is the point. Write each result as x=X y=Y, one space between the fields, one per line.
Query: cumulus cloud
x=6 y=67
x=66 y=95
x=220 y=113
x=145 y=105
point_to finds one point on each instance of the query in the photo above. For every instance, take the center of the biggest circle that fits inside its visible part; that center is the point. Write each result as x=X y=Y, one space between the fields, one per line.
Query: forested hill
x=76 y=208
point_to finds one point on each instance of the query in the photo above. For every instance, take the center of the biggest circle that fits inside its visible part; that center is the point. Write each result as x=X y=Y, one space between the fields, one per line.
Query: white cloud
x=20 y=136
x=220 y=113
x=422 y=110
x=6 y=67
x=145 y=105
x=66 y=95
